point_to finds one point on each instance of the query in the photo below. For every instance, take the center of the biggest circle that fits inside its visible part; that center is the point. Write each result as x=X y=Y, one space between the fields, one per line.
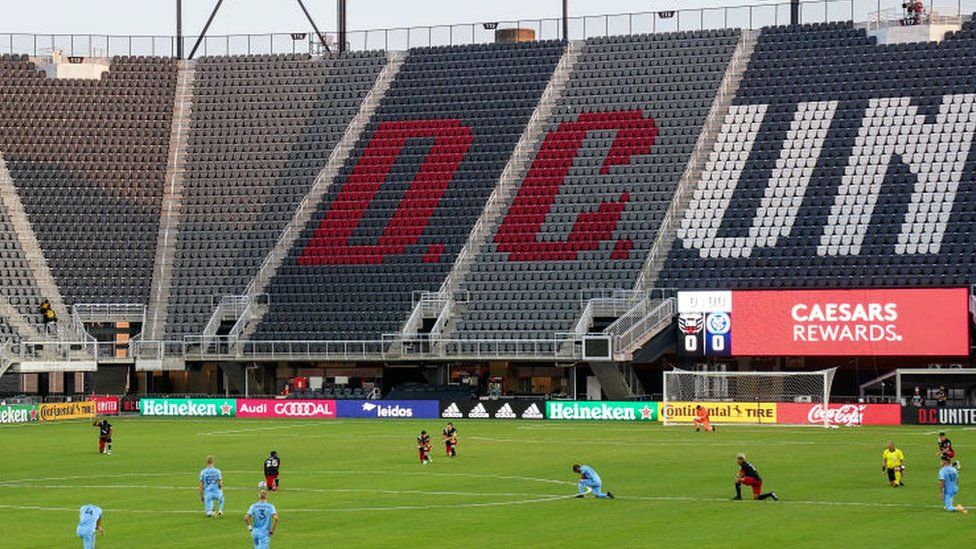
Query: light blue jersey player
x=949 y=484
x=589 y=479
x=89 y=522
x=261 y=520
x=212 y=488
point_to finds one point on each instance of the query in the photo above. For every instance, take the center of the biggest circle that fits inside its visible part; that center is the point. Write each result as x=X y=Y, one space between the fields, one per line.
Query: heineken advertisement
x=188 y=407
x=609 y=410
x=18 y=413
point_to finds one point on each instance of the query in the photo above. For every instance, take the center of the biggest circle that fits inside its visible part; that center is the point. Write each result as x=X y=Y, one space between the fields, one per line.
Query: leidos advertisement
x=389 y=409
x=878 y=322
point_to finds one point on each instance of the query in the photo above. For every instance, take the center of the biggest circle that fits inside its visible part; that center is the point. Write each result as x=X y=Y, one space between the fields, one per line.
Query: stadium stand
x=588 y=210
x=17 y=284
x=838 y=166
x=410 y=192
x=262 y=129
x=87 y=158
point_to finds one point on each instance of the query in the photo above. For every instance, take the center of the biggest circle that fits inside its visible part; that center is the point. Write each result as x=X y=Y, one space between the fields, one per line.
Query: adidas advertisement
x=388 y=409
x=493 y=409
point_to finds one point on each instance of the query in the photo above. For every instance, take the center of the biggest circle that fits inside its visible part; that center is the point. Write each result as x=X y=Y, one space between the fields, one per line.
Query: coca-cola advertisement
x=106 y=405
x=296 y=409
x=837 y=414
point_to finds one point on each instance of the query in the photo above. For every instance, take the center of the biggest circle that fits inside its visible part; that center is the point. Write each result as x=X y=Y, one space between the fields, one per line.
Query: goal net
x=798 y=398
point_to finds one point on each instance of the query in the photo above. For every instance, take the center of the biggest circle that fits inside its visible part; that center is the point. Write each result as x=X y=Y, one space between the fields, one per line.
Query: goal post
x=748 y=398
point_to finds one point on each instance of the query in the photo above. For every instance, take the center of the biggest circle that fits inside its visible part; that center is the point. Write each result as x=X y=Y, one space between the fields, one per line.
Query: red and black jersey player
x=946 y=451
x=450 y=439
x=271 y=467
x=423 y=447
x=104 y=436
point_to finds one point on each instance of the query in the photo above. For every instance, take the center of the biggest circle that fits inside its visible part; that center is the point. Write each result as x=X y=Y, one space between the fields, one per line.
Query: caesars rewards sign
x=863 y=322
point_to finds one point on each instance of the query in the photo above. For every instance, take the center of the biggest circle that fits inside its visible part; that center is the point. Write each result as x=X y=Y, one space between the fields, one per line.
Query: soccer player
x=589 y=479
x=750 y=477
x=423 y=447
x=946 y=450
x=893 y=465
x=261 y=520
x=949 y=485
x=450 y=439
x=89 y=522
x=271 y=466
x=212 y=488
x=104 y=436
x=702 y=419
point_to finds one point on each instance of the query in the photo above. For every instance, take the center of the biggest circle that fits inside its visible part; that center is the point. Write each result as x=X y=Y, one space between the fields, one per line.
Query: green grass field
x=358 y=483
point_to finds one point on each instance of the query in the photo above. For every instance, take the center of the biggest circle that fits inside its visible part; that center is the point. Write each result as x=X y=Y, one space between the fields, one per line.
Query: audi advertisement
x=288 y=409
x=863 y=322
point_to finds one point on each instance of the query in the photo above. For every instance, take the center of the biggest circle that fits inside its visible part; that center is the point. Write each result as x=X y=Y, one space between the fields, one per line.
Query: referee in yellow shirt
x=893 y=464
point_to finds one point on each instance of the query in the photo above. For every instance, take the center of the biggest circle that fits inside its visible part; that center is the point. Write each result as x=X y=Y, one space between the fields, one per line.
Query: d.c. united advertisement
x=862 y=322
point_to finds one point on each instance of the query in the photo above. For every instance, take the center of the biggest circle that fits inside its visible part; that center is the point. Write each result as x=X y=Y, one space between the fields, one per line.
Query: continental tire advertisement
x=722 y=412
x=493 y=409
x=61 y=411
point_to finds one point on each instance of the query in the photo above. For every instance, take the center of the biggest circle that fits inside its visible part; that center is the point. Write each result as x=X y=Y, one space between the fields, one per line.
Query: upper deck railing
x=752 y=16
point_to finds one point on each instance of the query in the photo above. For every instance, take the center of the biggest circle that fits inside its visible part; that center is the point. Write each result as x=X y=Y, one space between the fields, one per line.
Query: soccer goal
x=748 y=398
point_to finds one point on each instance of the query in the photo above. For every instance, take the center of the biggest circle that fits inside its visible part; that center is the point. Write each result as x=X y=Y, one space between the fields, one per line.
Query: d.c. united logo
x=691 y=323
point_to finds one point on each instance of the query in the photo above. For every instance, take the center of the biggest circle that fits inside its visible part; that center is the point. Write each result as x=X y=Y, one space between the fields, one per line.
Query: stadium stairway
x=87 y=159
x=445 y=306
x=411 y=192
x=169 y=223
x=586 y=213
x=263 y=126
x=649 y=312
x=839 y=167
x=27 y=279
x=251 y=317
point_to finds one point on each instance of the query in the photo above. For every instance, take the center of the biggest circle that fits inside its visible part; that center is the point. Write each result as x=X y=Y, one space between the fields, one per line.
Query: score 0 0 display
x=862 y=322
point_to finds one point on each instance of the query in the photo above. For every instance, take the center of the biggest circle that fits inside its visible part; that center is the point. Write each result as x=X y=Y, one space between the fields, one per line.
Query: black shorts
x=891 y=473
x=105 y=439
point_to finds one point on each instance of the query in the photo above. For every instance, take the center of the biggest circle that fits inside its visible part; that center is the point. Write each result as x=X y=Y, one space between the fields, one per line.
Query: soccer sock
x=763 y=496
x=109 y=446
x=897 y=477
x=738 y=490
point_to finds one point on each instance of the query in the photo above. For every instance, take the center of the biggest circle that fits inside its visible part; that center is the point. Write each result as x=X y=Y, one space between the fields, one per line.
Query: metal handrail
x=747 y=16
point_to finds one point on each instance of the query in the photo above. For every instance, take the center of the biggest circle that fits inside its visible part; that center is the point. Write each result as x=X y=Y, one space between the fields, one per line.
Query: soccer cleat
x=610 y=495
x=773 y=495
x=737 y=498
x=962 y=509
x=109 y=452
x=579 y=496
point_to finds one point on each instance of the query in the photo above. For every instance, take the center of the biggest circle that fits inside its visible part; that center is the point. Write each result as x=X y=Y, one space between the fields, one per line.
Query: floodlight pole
x=341 y=24
x=566 y=20
x=315 y=27
x=179 y=29
x=206 y=27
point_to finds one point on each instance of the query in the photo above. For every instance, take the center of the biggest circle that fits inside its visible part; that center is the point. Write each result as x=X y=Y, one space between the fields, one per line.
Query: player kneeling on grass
x=702 y=419
x=104 y=436
x=450 y=439
x=89 y=522
x=946 y=450
x=893 y=465
x=261 y=520
x=750 y=477
x=212 y=489
x=590 y=480
x=271 y=466
x=949 y=485
x=423 y=447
